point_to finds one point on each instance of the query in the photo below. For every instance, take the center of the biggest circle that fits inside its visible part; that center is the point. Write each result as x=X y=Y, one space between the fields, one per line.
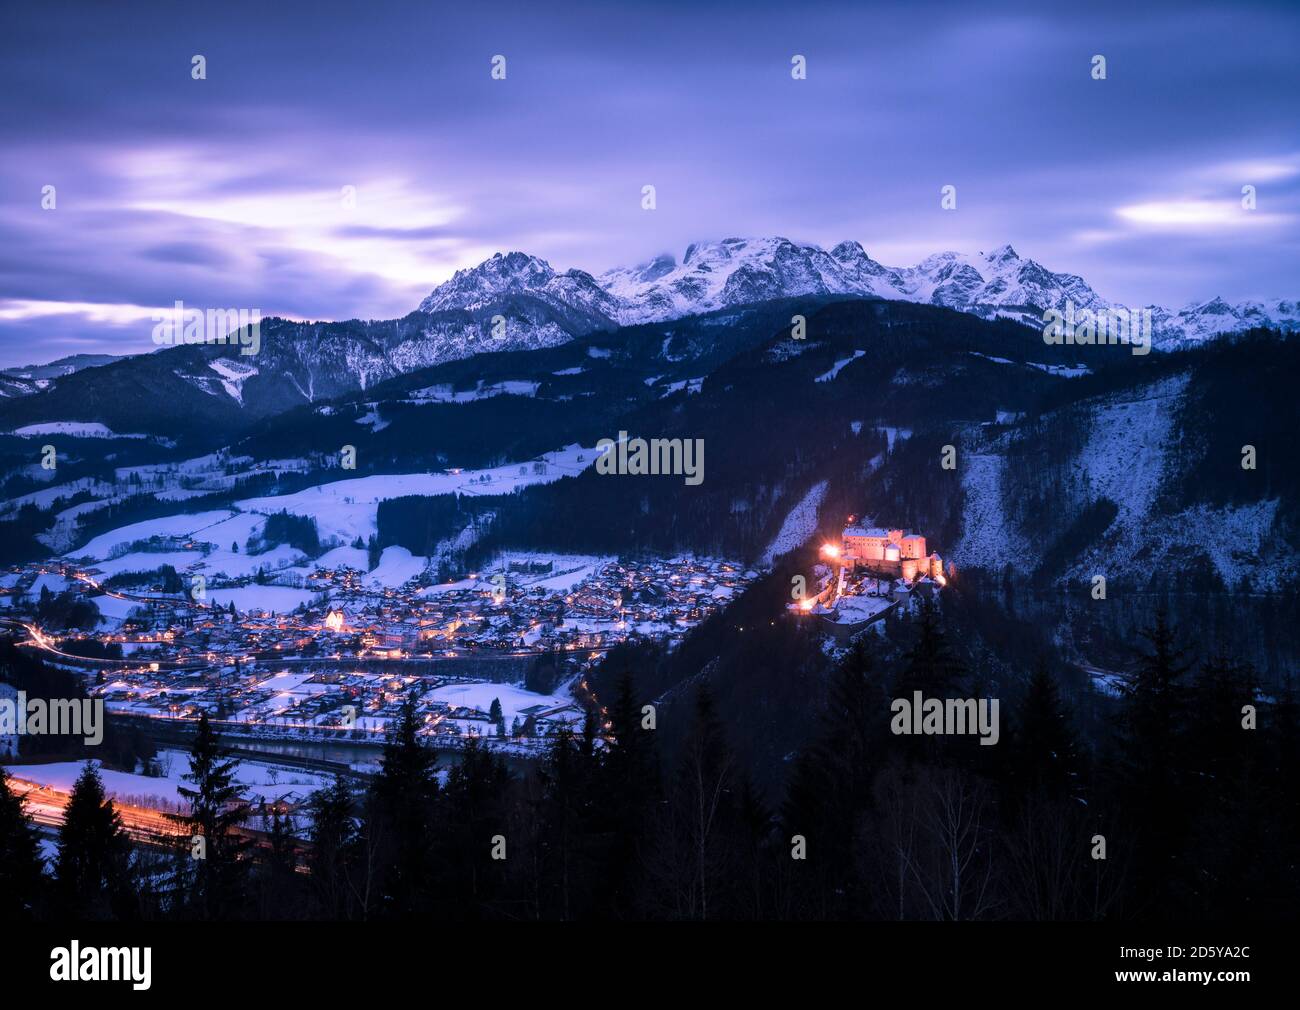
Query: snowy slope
x=1127 y=454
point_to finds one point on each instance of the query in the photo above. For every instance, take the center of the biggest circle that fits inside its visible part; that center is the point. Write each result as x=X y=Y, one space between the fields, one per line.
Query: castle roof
x=864 y=531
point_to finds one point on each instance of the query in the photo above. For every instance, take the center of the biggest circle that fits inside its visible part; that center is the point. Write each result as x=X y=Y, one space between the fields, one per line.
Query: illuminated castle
x=892 y=552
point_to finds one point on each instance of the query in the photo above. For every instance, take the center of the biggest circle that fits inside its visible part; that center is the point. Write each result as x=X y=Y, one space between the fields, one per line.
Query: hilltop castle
x=898 y=553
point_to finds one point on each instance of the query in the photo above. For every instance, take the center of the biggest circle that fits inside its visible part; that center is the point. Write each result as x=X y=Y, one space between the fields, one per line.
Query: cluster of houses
x=325 y=705
x=322 y=667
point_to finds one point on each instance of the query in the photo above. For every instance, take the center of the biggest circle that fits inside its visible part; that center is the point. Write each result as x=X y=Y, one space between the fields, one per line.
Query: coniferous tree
x=1151 y=759
x=1045 y=755
x=830 y=790
x=472 y=824
x=1232 y=824
x=92 y=867
x=400 y=821
x=22 y=877
x=218 y=808
x=333 y=837
x=930 y=665
x=630 y=786
x=699 y=839
x=278 y=879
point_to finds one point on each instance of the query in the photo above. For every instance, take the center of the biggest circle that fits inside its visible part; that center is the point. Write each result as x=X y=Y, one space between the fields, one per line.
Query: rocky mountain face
x=736 y=271
x=514 y=302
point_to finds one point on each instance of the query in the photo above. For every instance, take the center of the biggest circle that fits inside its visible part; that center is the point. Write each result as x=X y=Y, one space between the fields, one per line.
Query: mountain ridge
x=737 y=271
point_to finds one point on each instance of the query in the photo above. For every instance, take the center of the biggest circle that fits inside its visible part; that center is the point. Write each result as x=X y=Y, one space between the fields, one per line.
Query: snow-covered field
x=513 y=699
x=396 y=567
x=102 y=546
x=346 y=509
x=77 y=429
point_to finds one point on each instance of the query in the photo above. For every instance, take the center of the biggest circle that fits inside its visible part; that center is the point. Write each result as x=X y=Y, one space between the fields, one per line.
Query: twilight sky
x=226 y=191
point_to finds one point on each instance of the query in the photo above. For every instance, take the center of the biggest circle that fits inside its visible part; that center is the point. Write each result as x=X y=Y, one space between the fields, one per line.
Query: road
x=48 y=806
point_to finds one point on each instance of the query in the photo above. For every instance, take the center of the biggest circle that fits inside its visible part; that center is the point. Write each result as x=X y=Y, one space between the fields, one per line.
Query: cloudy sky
x=228 y=191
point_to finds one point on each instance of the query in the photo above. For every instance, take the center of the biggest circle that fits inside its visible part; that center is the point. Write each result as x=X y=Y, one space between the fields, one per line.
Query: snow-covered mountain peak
x=735 y=271
x=501 y=274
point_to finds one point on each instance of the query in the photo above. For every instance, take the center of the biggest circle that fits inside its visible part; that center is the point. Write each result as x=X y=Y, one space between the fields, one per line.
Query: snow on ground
x=77 y=429
x=47 y=496
x=1064 y=371
x=567 y=570
x=343 y=557
x=446 y=393
x=396 y=567
x=690 y=385
x=280 y=599
x=835 y=369
x=233 y=376
x=235 y=530
x=232 y=564
x=799 y=525
x=457 y=586
x=237 y=564
x=372 y=418
x=988 y=538
x=261 y=780
x=1235 y=538
x=892 y=435
x=178 y=526
x=346 y=509
x=52 y=581
x=513 y=699
x=112 y=610
x=852 y=609
x=1124 y=458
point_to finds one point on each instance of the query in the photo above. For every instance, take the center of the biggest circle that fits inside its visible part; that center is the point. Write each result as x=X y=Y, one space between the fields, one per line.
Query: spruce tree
x=565 y=821
x=402 y=815
x=1151 y=763
x=218 y=808
x=92 y=864
x=333 y=837
x=930 y=665
x=1045 y=749
x=474 y=812
x=22 y=877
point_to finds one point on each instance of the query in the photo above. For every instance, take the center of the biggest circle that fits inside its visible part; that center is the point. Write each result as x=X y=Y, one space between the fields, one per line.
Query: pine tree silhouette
x=92 y=864
x=22 y=876
x=218 y=808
